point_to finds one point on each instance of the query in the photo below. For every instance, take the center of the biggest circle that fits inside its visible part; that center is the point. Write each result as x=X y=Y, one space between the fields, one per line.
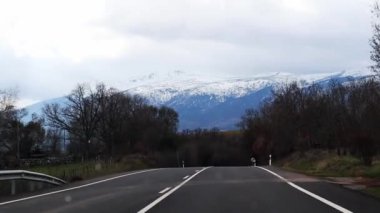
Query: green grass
x=80 y=171
x=374 y=191
x=373 y=171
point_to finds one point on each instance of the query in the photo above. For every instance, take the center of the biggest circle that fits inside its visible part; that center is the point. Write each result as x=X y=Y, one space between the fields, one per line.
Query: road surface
x=211 y=189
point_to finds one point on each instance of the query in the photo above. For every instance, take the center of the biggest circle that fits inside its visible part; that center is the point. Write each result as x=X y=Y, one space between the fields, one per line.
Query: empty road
x=210 y=189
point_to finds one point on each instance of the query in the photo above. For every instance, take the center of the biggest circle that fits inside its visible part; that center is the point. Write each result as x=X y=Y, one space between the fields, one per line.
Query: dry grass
x=325 y=163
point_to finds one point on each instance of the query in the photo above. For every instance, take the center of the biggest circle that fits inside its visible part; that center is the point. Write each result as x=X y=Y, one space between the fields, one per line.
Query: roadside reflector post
x=270 y=160
x=183 y=164
x=253 y=160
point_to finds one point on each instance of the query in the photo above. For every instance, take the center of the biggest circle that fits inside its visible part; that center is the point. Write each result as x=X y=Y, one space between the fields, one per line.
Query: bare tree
x=79 y=117
x=375 y=40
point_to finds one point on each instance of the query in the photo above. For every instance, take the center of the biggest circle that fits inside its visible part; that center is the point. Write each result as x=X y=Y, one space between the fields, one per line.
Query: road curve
x=215 y=189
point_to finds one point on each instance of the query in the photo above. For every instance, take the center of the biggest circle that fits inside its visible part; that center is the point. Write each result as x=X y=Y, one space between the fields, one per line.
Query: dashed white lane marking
x=164 y=190
x=73 y=188
x=155 y=202
x=185 y=177
x=323 y=200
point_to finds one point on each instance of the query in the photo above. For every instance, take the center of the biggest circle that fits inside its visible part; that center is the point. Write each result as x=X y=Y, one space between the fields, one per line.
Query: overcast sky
x=48 y=46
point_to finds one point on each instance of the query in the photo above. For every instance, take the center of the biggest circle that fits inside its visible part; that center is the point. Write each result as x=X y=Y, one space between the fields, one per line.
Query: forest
x=339 y=117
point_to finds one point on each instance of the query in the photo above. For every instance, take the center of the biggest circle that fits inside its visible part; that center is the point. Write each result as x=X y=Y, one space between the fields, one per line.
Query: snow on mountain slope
x=182 y=84
x=205 y=101
x=37 y=107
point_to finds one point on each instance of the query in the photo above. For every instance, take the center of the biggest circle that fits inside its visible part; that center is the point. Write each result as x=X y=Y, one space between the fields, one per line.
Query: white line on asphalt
x=323 y=200
x=76 y=187
x=155 y=202
x=164 y=190
x=185 y=177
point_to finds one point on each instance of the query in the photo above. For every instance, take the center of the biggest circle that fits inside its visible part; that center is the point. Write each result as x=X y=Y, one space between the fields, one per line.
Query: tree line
x=91 y=123
x=340 y=117
x=205 y=147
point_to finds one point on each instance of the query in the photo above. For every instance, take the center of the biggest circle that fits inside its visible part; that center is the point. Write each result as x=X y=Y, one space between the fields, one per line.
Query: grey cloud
x=222 y=37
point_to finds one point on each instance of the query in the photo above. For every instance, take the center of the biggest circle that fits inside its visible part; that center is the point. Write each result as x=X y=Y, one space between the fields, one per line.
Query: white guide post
x=270 y=160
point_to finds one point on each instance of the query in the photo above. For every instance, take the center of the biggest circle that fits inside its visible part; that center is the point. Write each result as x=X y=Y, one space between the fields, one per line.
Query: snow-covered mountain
x=205 y=101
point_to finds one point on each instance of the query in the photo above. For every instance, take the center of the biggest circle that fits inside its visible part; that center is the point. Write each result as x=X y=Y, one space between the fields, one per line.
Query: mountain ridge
x=205 y=101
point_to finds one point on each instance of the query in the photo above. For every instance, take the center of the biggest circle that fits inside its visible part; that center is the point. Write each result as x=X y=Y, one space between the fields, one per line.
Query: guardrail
x=14 y=175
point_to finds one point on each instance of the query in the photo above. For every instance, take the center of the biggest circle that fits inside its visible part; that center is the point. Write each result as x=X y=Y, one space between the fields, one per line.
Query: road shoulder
x=340 y=194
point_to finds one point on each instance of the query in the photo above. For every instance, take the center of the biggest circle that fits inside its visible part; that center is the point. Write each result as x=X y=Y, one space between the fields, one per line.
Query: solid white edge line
x=73 y=188
x=164 y=190
x=185 y=177
x=155 y=202
x=323 y=200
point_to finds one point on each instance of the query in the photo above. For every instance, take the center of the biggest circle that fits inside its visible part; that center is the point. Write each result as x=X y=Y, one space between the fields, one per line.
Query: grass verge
x=323 y=163
x=326 y=164
x=374 y=191
x=86 y=170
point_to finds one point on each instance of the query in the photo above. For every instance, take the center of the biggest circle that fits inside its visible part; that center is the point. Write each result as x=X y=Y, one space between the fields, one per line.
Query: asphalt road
x=213 y=189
